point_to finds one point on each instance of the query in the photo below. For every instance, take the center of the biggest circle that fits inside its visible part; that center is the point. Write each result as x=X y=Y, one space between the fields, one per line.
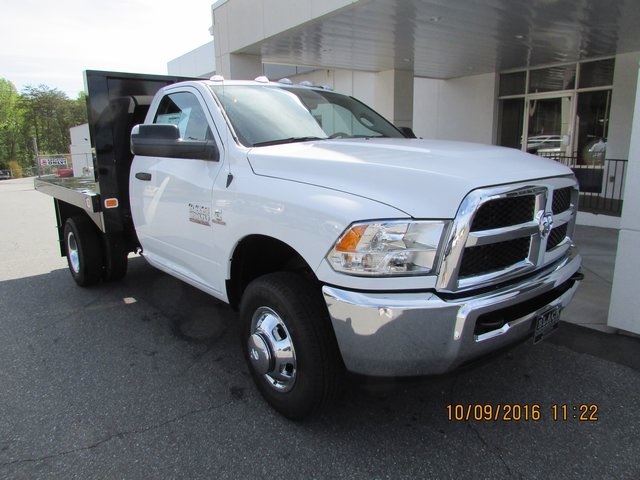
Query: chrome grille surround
x=537 y=228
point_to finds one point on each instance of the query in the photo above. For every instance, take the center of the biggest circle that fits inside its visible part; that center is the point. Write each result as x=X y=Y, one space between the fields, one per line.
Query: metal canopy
x=454 y=38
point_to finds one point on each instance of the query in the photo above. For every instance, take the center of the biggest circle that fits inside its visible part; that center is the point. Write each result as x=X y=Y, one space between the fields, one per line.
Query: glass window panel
x=513 y=83
x=549 y=121
x=184 y=110
x=597 y=74
x=593 y=126
x=552 y=79
x=511 y=122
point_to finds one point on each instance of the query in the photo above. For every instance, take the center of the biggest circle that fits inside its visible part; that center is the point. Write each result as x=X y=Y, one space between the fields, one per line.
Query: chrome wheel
x=271 y=351
x=72 y=251
x=277 y=311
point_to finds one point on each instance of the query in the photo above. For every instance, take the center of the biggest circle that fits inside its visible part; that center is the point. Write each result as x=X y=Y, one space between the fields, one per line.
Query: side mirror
x=163 y=140
x=407 y=132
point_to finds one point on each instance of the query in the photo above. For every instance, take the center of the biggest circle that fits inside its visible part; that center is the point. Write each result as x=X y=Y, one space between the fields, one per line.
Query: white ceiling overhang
x=454 y=38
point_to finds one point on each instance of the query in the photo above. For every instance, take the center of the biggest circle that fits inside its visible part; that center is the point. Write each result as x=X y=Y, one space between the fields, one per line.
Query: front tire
x=83 y=246
x=289 y=344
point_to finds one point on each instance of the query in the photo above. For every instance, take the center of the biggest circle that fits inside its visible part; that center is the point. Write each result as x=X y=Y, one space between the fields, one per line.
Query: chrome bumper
x=404 y=334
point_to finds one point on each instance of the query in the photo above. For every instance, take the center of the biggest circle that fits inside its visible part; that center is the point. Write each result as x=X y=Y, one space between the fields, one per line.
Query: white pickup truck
x=344 y=244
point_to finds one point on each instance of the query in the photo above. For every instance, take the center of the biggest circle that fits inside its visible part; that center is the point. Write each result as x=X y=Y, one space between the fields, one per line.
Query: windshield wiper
x=282 y=141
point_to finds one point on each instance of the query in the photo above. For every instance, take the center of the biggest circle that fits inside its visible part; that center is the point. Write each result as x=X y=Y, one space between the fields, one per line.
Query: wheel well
x=126 y=240
x=65 y=211
x=257 y=255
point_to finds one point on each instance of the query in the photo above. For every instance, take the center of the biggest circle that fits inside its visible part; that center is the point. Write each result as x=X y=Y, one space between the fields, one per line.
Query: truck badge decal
x=545 y=224
x=199 y=214
x=217 y=217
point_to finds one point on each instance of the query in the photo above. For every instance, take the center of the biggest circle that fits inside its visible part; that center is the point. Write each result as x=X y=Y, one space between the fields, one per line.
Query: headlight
x=388 y=248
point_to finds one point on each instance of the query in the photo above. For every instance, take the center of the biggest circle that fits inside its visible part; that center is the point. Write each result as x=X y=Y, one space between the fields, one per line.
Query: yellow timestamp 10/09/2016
x=517 y=412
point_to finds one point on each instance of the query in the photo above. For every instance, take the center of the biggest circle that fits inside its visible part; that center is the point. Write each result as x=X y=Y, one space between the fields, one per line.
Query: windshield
x=270 y=114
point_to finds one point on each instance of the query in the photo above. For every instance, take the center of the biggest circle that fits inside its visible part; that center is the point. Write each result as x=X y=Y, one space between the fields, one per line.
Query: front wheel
x=289 y=344
x=84 y=250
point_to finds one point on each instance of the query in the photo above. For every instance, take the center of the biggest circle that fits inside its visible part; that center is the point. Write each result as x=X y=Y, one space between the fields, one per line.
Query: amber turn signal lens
x=349 y=242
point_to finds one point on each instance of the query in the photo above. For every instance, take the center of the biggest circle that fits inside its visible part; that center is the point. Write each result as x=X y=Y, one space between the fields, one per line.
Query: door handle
x=143 y=176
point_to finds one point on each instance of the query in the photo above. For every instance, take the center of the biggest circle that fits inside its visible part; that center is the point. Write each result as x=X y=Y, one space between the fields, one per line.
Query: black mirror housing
x=163 y=140
x=407 y=132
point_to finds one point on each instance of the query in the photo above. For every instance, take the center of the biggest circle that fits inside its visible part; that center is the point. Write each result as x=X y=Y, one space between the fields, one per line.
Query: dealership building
x=556 y=78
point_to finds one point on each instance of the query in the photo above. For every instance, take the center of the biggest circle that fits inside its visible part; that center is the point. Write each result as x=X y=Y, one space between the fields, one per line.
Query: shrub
x=16 y=169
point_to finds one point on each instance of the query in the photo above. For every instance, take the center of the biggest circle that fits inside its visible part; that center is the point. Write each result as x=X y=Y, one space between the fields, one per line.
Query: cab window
x=184 y=110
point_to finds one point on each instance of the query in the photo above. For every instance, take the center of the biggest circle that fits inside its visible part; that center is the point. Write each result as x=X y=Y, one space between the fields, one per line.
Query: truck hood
x=422 y=178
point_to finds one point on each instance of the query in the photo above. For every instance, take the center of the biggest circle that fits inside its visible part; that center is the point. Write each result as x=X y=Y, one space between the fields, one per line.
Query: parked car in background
x=595 y=152
x=64 y=172
x=5 y=174
x=548 y=143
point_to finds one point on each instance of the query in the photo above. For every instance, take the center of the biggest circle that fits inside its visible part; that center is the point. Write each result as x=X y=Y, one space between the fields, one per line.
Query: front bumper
x=406 y=334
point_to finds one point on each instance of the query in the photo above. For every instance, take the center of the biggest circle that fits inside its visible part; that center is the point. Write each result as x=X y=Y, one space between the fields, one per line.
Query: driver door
x=172 y=198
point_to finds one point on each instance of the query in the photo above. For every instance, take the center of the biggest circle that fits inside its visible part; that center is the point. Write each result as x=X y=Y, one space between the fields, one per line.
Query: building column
x=625 y=301
x=238 y=66
x=394 y=96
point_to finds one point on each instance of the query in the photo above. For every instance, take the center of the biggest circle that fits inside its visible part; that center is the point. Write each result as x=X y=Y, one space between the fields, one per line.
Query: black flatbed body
x=115 y=103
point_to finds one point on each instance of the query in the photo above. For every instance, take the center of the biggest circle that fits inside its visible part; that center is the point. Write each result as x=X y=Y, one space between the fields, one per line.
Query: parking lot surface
x=145 y=378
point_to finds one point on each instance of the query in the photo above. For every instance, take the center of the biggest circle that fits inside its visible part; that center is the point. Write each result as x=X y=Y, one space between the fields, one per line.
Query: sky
x=53 y=42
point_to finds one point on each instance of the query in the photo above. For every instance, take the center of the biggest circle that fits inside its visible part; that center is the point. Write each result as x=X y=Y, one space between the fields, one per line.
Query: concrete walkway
x=590 y=306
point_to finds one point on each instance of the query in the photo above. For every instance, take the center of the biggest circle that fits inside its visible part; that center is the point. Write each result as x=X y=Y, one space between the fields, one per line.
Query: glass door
x=549 y=125
x=592 y=126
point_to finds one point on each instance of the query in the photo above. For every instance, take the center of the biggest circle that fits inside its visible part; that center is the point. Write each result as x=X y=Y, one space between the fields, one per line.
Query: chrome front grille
x=561 y=200
x=556 y=236
x=503 y=212
x=503 y=232
x=493 y=257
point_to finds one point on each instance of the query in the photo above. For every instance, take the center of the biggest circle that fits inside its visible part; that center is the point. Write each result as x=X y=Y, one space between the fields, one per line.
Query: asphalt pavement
x=144 y=379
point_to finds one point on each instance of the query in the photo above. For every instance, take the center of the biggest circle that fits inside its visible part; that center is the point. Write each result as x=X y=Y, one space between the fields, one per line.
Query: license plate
x=546 y=323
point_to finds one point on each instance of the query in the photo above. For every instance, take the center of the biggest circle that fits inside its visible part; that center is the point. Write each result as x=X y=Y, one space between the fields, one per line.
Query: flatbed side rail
x=79 y=192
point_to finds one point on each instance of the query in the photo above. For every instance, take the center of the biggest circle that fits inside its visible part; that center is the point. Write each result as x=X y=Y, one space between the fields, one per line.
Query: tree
x=9 y=122
x=78 y=110
x=41 y=112
x=46 y=113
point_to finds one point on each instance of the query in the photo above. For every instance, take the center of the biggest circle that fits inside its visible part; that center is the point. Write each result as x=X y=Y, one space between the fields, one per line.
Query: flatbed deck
x=82 y=192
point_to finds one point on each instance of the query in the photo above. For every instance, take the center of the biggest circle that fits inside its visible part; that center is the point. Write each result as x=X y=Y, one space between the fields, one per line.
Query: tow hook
x=577 y=277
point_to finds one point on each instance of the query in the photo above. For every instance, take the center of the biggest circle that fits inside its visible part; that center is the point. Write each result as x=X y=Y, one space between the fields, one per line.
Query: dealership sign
x=53 y=162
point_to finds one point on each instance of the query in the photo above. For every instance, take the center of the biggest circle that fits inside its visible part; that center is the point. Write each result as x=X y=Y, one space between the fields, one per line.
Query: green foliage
x=16 y=169
x=9 y=122
x=41 y=112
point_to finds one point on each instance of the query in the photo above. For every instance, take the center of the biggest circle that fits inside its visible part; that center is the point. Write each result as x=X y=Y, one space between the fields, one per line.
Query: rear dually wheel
x=83 y=246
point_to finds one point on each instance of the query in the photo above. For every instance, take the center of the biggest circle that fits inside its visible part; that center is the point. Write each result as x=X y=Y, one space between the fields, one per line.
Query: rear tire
x=83 y=246
x=289 y=344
